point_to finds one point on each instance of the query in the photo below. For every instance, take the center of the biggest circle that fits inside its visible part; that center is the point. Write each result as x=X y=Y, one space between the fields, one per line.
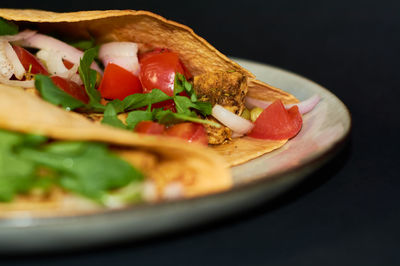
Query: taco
x=205 y=86
x=55 y=162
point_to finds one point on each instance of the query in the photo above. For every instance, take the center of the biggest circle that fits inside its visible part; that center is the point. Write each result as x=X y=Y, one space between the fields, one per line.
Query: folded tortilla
x=152 y=31
x=199 y=169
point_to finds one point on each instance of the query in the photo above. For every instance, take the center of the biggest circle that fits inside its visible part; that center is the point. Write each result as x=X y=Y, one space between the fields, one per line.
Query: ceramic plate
x=324 y=131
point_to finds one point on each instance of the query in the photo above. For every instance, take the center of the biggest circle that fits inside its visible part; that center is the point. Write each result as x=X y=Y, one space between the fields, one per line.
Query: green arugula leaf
x=16 y=174
x=139 y=100
x=51 y=93
x=111 y=118
x=135 y=117
x=85 y=168
x=181 y=84
x=89 y=77
x=84 y=44
x=7 y=27
x=168 y=117
x=205 y=108
x=183 y=105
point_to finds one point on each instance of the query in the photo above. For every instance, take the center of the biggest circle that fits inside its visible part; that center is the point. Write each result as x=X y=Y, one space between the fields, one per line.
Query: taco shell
x=163 y=160
x=151 y=31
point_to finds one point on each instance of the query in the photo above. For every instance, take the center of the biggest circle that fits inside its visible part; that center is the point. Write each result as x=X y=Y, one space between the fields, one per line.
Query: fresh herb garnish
x=111 y=118
x=53 y=94
x=139 y=100
x=184 y=107
x=85 y=168
x=135 y=117
x=7 y=27
x=84 y=44
x=168 y=117
x=89 y=77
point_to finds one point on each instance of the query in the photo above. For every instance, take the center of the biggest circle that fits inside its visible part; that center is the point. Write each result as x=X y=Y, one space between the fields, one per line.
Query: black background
x=347 y=213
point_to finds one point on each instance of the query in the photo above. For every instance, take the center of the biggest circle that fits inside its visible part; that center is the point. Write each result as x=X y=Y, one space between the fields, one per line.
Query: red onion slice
x=123 y=54
x=19 y=36
x=236 y=123
x=304 y=106
x=68 y=52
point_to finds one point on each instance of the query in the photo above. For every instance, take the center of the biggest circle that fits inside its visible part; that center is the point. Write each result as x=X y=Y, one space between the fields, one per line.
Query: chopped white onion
x=18 y=68
x=149 y=191
x=18 y=83
x=55 y=65
x=236 y=135
x=172 y=191
x=304 y=106
x=123 y=54
x=53 y=60
x=6 y=69
x=237 y=123
x=9 y=61
x=77 y=79
x=68 y=52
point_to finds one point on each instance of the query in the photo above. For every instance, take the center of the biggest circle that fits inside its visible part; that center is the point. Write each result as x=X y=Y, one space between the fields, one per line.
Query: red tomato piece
x=149 y=127
x=155 y=51
x=68 y=64
x=191 y=132
x=117 y=83
x=277 y=123
x=72 y=88
x=28 y=60
x=157 y=71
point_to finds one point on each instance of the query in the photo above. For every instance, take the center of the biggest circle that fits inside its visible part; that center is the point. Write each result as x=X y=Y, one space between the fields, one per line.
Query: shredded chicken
x=224 y=88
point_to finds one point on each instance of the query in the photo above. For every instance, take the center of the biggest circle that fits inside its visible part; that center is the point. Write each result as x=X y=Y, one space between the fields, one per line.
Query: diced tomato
x=149 y=127
x=191 y=132
x=72 y=88
x=277 y=123
x=157 y=71
x=117 y=83
x=28 y=60
x=68 y=64
x=155 y=51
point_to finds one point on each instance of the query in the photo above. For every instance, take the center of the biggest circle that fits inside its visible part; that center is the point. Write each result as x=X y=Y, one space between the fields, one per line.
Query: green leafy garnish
x=139 y=100
x=110 y=117
x=7 y=27
x=85 y=168
x=16 y=174
x=168 y=117
x=184 y=107
x=89 y=77
x=51 y=93
x=181 y=84
x=88 y=169
x=187 y=108
x=135 y=117
x=84 y=44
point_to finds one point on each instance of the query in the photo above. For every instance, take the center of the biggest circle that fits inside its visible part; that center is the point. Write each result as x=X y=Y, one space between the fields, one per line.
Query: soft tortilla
x=151 y=31
x=163 y=160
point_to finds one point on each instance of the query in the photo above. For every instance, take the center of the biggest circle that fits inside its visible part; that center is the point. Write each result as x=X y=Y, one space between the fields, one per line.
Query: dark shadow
x=312 y=182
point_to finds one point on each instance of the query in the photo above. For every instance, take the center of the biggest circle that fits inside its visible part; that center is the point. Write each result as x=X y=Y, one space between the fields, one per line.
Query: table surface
x=346 y=213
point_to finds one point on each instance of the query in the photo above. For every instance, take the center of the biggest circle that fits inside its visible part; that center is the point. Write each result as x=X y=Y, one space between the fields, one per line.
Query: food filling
x=148 y=92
